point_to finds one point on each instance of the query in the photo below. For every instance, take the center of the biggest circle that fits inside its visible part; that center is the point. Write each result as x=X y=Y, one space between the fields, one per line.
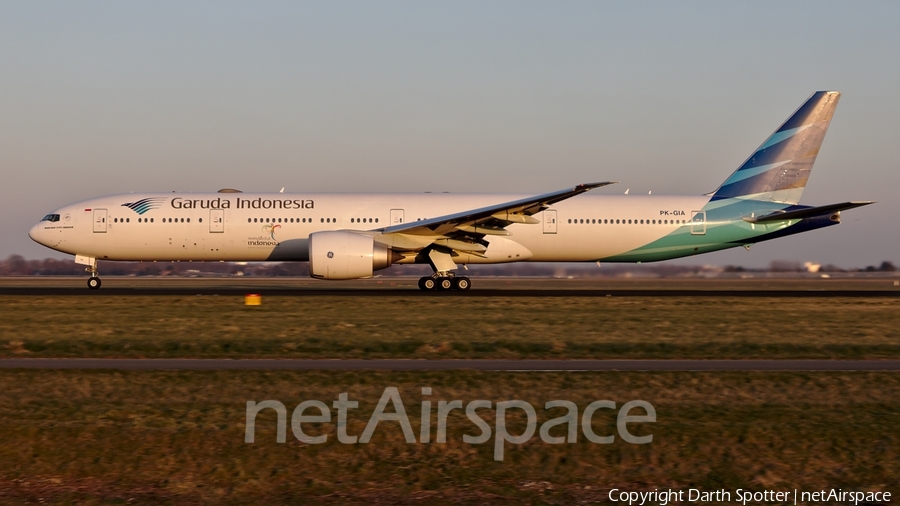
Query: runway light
x=253 y=299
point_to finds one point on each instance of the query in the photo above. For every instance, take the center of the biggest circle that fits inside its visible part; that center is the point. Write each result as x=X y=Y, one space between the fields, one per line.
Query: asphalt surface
x=158 y=364
x=474 y=292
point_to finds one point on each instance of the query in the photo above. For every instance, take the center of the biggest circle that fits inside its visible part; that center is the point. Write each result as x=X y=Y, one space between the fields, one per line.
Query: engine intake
x=346 y=255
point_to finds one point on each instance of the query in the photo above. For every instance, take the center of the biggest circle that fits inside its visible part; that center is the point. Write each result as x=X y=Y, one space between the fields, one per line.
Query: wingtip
x=597 y=185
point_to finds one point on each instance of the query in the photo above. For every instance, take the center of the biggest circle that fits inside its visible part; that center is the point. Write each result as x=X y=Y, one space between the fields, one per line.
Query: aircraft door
x=396 y=216
x=698 y=223
x=100 y=221
x=549 y=221
x=216 y=220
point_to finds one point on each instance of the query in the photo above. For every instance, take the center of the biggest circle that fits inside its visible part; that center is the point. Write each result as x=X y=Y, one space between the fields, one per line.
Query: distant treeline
x=16 y=265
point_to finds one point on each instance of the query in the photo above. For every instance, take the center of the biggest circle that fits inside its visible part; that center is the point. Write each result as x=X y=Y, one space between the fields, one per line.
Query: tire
x=93 y=283
x=427 y=284
x=462 y=283
x=445 y=284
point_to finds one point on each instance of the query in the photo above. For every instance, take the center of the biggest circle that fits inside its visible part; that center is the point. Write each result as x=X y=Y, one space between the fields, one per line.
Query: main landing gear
x=443 y=278
x=444 y=283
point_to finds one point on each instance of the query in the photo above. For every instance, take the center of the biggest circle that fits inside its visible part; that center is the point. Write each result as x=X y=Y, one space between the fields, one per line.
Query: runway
x=150 y=364
x=413 y=292
x=772 y=287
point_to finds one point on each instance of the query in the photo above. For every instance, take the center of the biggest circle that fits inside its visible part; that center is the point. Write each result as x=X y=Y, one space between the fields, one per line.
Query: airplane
x=349 y=236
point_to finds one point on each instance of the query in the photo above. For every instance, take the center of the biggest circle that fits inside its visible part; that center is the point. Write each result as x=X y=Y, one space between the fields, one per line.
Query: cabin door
x=100 y=221
x=216 y=220
x=698 y=223
x=550 y=221
x=396 y=216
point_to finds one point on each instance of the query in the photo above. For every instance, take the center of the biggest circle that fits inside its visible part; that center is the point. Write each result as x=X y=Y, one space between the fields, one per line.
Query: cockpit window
x=51 y=217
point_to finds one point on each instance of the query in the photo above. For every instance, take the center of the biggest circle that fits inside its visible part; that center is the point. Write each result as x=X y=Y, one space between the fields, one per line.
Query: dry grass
x=177 y=437
x=428 y=327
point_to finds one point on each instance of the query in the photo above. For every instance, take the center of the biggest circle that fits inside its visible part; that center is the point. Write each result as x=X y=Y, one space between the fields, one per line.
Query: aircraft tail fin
x=779 y=169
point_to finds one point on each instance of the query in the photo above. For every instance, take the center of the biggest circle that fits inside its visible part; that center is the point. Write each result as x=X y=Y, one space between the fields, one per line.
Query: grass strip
x=101 y=437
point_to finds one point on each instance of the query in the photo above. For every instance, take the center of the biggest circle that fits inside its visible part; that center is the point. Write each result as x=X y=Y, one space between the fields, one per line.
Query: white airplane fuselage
x=237 y=227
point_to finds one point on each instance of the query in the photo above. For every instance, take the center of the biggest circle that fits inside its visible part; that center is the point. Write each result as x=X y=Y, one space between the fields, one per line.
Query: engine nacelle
x=346 y=255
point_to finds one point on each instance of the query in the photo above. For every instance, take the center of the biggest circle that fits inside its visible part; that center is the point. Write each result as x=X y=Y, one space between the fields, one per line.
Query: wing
x=491 y=220
x=465 y=232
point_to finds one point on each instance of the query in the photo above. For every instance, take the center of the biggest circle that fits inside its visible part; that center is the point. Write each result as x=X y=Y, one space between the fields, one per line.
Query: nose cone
x=36 y=234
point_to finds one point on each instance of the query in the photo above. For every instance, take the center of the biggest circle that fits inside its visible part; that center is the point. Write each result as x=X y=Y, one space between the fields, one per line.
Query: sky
x=523 y=97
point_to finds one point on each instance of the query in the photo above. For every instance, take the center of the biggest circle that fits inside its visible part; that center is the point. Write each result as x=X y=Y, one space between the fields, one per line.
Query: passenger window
x=376 y=220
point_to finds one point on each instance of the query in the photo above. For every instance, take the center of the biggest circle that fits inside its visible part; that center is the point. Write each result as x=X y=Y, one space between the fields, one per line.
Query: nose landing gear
x=94 y=281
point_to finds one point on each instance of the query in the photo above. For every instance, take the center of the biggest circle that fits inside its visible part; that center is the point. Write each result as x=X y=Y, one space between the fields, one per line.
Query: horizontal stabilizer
x=807 y=212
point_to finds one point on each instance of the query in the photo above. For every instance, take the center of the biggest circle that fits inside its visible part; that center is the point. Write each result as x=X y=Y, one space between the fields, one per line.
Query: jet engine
x=346 y=255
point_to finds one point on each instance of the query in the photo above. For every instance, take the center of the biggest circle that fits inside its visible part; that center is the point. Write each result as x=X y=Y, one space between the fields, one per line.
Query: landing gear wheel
x=427 y=283
x=462 y=283
x=445 y=283
x=93 y=283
